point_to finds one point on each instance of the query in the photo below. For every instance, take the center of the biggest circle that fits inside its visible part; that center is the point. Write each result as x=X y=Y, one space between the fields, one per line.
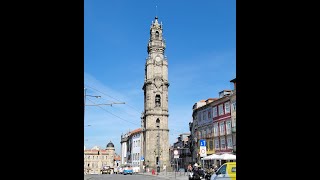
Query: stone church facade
x=154 y=119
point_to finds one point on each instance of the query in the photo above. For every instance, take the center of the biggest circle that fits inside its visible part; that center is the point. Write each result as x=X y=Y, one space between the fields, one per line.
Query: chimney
x=234 y=83
x=225 y=93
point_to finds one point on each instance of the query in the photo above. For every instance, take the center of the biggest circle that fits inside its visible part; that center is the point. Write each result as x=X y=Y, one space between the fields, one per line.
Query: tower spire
x=156 y=2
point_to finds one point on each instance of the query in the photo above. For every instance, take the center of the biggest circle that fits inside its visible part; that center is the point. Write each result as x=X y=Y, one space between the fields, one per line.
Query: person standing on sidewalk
x=189 y=169
x=196 y=172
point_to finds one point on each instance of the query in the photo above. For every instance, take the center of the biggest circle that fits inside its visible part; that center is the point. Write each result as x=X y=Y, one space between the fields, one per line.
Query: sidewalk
x=168 y=175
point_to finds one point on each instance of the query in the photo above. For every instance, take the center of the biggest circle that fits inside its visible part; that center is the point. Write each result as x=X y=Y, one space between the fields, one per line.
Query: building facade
x=204 y=125
x=95 y=159
x=193 y=126
x=131 y=143
x=222 y=123
x=214 y=120
x=233 y=115
x=182 y=147
x=135 y=135
x=155 y=147
x=202 y=128
x=124 y=148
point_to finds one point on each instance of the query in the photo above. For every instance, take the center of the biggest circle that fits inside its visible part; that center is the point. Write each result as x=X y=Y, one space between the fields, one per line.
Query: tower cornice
x=156 y=129
x=147 y=82
x=156 y=114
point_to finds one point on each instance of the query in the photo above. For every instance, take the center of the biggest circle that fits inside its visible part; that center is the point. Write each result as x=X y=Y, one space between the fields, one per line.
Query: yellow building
x=95 y=159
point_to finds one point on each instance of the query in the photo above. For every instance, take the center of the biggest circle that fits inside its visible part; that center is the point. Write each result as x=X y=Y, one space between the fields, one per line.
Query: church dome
x=110 y=144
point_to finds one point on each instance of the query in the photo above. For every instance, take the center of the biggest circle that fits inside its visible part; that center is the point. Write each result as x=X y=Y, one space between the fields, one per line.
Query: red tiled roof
x=117 y=158
x=91 y=150
x=94 y=150
x=212 y=98
x=135 y=131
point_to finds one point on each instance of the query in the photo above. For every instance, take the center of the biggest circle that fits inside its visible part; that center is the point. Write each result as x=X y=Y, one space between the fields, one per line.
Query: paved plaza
x=147 y=175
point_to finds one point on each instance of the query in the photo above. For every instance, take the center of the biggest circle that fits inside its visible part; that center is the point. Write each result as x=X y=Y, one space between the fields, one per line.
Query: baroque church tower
x=154 y=119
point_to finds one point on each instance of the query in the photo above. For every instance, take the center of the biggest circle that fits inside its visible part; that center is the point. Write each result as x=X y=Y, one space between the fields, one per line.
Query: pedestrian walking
x=189 y=169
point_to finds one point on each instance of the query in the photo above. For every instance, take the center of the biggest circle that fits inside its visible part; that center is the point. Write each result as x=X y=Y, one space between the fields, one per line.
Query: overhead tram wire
x=119 y=109
x=116 y=115
x=111 y=104
x=112 y=98
x=101 y=92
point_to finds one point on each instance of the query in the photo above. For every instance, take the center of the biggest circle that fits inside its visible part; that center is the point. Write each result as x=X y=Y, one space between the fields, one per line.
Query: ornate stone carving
x=158 y=83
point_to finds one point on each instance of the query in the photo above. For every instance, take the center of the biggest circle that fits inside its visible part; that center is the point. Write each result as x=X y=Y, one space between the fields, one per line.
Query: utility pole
x=158 y=146
x=143 y=165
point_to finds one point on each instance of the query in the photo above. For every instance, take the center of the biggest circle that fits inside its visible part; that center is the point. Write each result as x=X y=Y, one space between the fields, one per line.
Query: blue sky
x=200 y=47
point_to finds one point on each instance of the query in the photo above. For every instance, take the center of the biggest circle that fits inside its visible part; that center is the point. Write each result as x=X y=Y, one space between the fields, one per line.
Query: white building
x=131 y=149
x=136 y=149
x=124 y=148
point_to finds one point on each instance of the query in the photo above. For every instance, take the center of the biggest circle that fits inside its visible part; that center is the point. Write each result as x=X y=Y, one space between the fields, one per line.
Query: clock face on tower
x=158 y=60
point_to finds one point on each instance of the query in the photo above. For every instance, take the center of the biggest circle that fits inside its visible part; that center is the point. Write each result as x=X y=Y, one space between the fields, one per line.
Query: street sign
x=175 y=152
x=203 y=142
x=142 y=158
x=203 y=148
x=176 y=156
x=203 y=151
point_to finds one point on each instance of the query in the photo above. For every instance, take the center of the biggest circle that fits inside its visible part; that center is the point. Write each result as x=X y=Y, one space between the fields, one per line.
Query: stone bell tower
x=154 y=120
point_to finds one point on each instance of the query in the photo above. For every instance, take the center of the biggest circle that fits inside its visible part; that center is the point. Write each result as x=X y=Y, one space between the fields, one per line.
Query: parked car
x=120 y=170
x=226 y=172
x=128 y=170
x=106 y=170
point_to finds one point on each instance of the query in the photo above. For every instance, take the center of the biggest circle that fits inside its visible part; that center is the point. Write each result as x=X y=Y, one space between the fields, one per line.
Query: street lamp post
x=178 y=159
x=176 y=156
x=158 y=126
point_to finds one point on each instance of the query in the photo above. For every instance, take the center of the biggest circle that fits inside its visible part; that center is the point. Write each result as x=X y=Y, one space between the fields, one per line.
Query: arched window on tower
x=158 y=123
x=158 y=100
x=157 y=34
